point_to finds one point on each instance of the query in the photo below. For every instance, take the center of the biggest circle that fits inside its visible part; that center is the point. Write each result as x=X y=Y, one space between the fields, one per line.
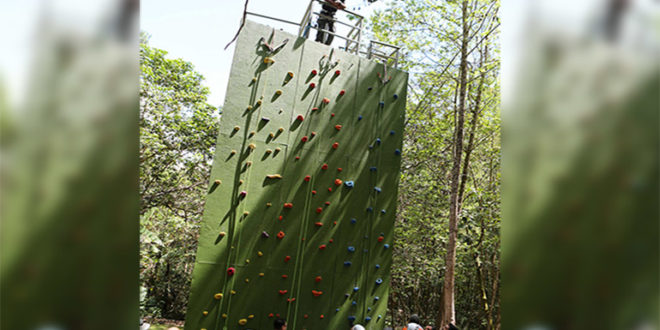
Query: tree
x=178 y=130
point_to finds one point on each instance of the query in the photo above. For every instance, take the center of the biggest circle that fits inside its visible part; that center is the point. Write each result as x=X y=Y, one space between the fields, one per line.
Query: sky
x=198 y=30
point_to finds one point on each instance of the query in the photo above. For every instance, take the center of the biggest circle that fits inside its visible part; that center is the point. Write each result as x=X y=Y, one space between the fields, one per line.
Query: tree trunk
x=448 y=312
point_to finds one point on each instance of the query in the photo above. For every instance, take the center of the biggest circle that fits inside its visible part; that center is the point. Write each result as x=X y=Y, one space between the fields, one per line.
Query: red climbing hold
x=342 y=92
x=313 y=192
x=319 y=210
x=338 y=127
x=322 y=247
x=305 y=316
x=327 y=203
x=314 y=72
x=304 y=138
x=280 y=235
x=312 y=85
x=337 y=73
x=280 y=218
x=285 y=276
x=288 y=205
x=314 y=109
x=313 y=134
x=287 y=258
x=300 y=117
x=331 y=240
x=231 y=271
x=330 y=189
x=318 y=224
x=335 y=145
x=317 y=293
x=332 y=114
x=318 y=279
x=291 y=300
x=307 y=178
x=270 y=315
x=324 y=167
x=283 y=292
x=338 y=182
x=326 y=100
x=297 y=157
x=381 y=238
x=339 y=169
x=277 y=315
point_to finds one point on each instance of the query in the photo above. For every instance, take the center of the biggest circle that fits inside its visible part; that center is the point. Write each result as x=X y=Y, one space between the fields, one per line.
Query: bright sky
x=198 y=30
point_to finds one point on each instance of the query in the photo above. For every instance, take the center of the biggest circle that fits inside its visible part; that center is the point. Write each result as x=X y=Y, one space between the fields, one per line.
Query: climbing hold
x=270 y=315
x=386 y=246
x=370 y=88
x=383 y=211
x=318 y=224
x=233 y=152
x=397 y=152
x=258 y=102
x=254 y=79
x=367 y=319
x=337 y=73
x=330 y=189
x=332 y=114
x=246 y=213
x=278 y=149
x=274 y=176
x=339 y=169
x=268 y=60
x=271 y=135
x=351 y=318
x=377 y=140
x=318 y=279
x=287 y=258
x=392 y=132
x=252 y=146
x=324 y=166
x=231 y=271
x=338 y=127
x=280 y=235
x=359 y=117
x=381 y=238
x=279 y=218
x=240 y=182
x=326 y=100
x=327 y=203
x=205 y=313
x=321 y=316
x=248 y=163
x=222 y=234
x=247 y=280
x=224 y=315
x=242 y=322
x=243 y=193
x=261 y=274
x=369 y=310
x=307 y=178
x=313 y=134
x=288 y=205
x=337 y=310
x=305 y=316
x=250 y=316
x=338 y=182
x=335 y=145
x=351 y=249
x=381 y=104
x=278 y=92
x=290 y=74
x=317 y=293
x=354 y=303
x=217 y=182
x=315 y=109
x=342 y=92
x=377 y=189
x=312 y=85
x=264 y=234
x=297 y=157
x=283 y=292
x=396 y=96
x=313 y=192
x=379 y=281
x=347 y=263
x=259 y=253
x=355 y=289
x=314 y=72
x=304 y=139
x=300 y=117
x=236 y=128
x=281 y=129
x=377 y=266
x=266 y=119
x=376 y=298
x=217 y=296
x=353 y=220
x=249 y=107
x=322 y=247
x=285 y=276
x=370 y=209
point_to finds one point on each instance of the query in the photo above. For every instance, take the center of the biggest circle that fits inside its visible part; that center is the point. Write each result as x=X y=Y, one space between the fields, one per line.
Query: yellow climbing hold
x=254 y=79
x=217 y=182
x=278 y=149
x=242 y=321
x=224 y=316
x=248 y=163
x=261 y=274
x=247 y=261
x=250 y=316
x=247 y=280
x=249 y=107
x=240 y=182
x=274 y=176
x=272 y=135
x=253 y=133
x=252 y=146
x=233 y=152
x=269 y=60
x=269 y=204
x=233 y=292
x=205 y=313
x=281 y=129
x=258 y=102
x=246 y=213
x=261 y=254
x=268 y=151
x=290 y=74
x=217 y=296
x=278 y=92
x=222 y=234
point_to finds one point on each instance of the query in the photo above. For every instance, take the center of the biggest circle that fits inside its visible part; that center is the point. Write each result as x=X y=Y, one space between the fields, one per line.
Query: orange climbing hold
x=317 y=293
x=326 y=100
x=318 y=224
x=280 y=235
x=288 y=205
x=338 y=182
x=338 y=127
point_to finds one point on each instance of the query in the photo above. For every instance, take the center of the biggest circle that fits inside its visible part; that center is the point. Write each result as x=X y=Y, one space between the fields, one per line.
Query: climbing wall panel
x=298 y=219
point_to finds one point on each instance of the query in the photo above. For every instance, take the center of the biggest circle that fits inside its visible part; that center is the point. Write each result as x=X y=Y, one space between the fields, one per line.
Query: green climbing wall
x=313 y=246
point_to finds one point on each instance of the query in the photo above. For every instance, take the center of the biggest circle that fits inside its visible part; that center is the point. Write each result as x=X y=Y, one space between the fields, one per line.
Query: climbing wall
x=299 y=216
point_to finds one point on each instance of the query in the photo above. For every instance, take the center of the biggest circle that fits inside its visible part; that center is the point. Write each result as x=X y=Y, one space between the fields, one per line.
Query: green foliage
x=178 y=129
x=430 y=33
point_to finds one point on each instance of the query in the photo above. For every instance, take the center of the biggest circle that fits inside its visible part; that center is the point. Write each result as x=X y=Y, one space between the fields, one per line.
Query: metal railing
x=385 y=52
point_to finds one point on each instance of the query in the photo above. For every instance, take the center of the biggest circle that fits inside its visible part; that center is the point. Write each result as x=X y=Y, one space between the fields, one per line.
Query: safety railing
x=387 y=53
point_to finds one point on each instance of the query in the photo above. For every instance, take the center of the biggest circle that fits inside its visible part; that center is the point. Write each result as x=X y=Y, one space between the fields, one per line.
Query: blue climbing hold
x=353 y=220
x=354 y=303
x=383 y=211
x=379 y=281
x=351 y=249
x=381 y=103
x=397 y=152
x=371 y=147
x=377 y=189
x=370 y=88
x=349 y=184
x=379 y=316
x=396 y=96
x=377 y=140
x=368 y=309
x=370 y=209
x=346 y=295
x=337 y=310
x=386 y=246
x=348 y=263
x=376 y=298
x=360 y=117
x=373 y=169
x=377 y=266
x=392 y=132
x=367 y=319
x=351 y=318
x=355 y=289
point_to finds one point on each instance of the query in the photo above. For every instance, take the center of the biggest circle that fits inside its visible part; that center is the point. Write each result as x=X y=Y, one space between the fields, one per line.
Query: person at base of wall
x=279 y=324
x=413 y=323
